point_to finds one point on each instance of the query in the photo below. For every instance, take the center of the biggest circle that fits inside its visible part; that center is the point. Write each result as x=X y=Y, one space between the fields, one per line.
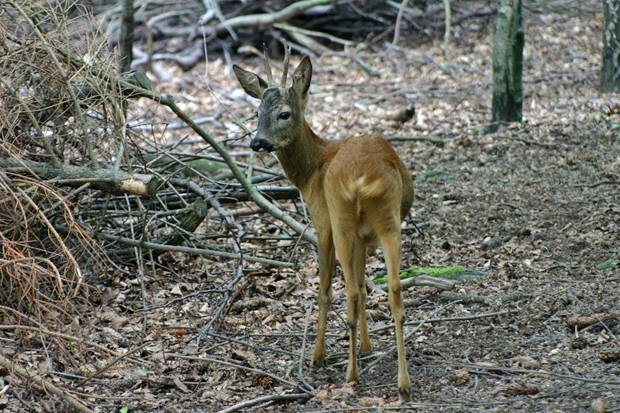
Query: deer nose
x=261 y=144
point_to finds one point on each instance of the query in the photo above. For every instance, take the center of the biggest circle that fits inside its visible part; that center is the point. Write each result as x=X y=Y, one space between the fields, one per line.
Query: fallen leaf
x=459 y=377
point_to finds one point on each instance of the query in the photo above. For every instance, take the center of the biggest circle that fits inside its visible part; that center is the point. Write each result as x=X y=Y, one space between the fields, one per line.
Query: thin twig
x=189 y=250
x=175 y=300
x=65 y=78
x=68 y=255
x=446 y=319
x=111 y=363
x=604 y=183
x=249 y=345
x=35 y=123
x=399 y=19
x=262 y=399
x=474 y=366
x=73 y=339
x=447 y=31
x=302 y=355
x=412 y=332
x=334 y=39
x=424 y=138
x=230 y=364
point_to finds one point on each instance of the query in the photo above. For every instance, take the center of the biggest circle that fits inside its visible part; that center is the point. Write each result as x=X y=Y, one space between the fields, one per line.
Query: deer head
x=281 y=112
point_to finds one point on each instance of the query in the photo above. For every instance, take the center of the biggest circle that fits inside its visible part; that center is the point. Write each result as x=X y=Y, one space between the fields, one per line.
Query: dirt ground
x=534 y=207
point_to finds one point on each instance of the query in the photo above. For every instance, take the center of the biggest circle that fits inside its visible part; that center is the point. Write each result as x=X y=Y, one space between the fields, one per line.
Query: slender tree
x=508 y=63
x=126 y=37
x=610 y=67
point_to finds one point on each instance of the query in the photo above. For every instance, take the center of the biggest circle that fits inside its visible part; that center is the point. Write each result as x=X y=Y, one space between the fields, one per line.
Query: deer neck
x=303 y=159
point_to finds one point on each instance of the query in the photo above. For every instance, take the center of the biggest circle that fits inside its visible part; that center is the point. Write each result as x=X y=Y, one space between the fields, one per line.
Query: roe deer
x=357 y=190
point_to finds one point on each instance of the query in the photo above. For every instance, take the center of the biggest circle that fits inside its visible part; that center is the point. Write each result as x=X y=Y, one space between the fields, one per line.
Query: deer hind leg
x=324 y=297
x=391 y=243
x=347 y=248
x=359 y=268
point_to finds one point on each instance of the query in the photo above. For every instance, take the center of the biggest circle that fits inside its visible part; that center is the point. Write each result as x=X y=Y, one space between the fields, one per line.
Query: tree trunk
x=508 y=63
x=610 y=67
x=126 y=38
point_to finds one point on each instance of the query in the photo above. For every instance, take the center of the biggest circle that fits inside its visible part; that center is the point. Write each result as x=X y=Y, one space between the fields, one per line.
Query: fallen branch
x=99 y=178
x=586 y=321
x=195 y=214
x=267 y=19
x=463 y=298
x=424 y=138
x=475 y=367
x=263 y=399
x=189 y=250
x=424 y=280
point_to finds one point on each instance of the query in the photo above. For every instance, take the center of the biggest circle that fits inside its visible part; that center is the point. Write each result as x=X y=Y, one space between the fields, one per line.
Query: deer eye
x=284 y=115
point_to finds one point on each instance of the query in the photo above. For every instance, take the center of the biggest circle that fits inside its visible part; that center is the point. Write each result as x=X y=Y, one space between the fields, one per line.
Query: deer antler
x=268 y=71
x=287 y=53
x=267 y=67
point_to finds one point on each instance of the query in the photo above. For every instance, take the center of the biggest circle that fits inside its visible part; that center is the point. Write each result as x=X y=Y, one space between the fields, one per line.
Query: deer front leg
x=324 y=297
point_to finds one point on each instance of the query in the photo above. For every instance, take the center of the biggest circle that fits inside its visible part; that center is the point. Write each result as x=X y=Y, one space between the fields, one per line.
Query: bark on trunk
x=610 y=67
x=508 y=63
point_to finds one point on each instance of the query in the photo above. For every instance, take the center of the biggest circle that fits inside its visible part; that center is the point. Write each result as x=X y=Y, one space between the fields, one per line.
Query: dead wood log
x=196 y=213
x=463 y=298
x=586 y=321
x=111 y=180
x=424 y=280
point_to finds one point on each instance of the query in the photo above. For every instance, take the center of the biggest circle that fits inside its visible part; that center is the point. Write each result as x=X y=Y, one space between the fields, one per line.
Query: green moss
x=450 y=273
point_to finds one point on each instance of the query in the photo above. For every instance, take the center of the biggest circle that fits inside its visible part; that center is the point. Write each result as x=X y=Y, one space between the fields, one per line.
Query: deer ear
x=251 y=83
x=302 y=76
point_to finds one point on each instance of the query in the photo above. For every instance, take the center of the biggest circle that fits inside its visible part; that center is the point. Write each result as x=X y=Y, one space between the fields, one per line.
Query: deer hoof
x=318 y=362
x=366 y=347
x=404 y=394
x=352 y=374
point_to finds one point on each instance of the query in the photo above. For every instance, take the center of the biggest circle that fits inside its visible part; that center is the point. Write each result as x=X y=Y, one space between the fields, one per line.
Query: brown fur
x=358 y=191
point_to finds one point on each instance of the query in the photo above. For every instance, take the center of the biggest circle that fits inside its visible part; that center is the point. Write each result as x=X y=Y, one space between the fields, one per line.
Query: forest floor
x=535 y=207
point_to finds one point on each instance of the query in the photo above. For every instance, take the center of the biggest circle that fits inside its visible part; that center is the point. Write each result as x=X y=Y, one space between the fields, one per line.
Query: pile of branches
x=83 y=189
x=84 y=196
x=53 y=125
x=312 y=27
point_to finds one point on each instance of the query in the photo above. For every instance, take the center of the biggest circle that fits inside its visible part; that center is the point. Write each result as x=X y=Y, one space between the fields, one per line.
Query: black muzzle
x=258 y=145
